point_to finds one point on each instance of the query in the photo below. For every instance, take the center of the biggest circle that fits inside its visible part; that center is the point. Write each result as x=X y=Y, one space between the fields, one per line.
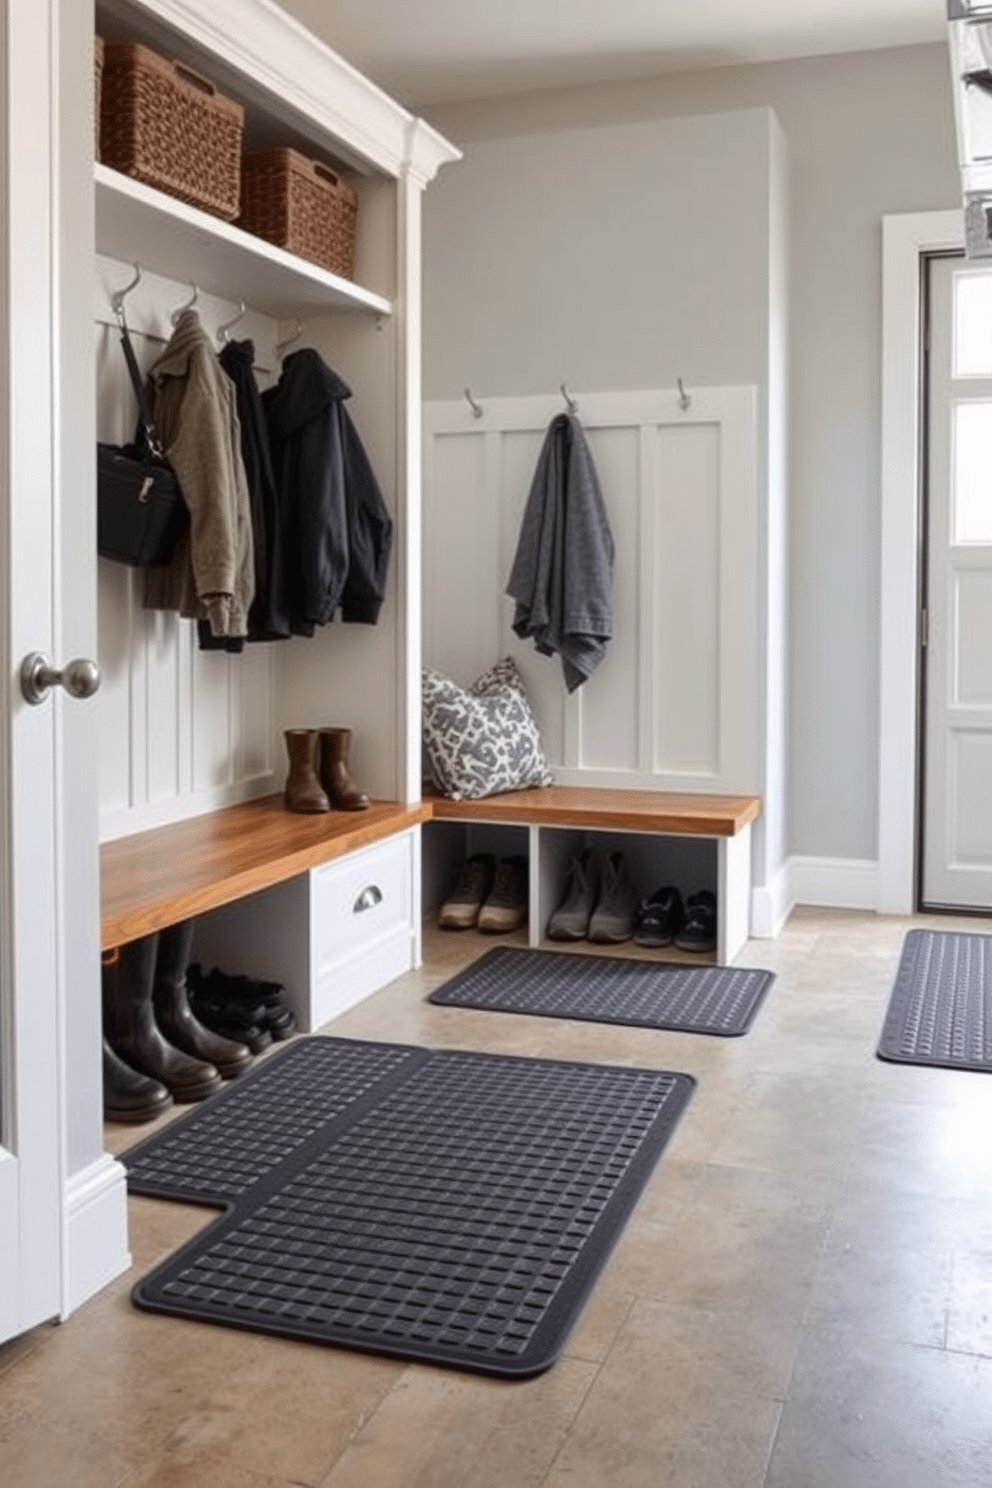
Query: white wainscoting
x=676 y=703
x=181 y=730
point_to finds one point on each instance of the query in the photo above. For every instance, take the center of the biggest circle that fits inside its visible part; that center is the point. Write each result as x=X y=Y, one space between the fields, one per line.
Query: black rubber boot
x=132 y=1032
x=175 y=1017
x=129 y=1096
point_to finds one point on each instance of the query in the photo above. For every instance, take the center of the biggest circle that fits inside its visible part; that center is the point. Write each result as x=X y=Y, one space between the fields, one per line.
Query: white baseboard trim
x=834 y=883
x=772 y=904
x=96 y=1230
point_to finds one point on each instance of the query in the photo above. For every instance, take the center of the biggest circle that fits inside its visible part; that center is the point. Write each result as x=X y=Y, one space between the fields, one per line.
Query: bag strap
x=141 y=393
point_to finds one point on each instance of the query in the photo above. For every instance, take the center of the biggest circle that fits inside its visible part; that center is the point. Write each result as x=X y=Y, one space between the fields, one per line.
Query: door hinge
x=924 y=629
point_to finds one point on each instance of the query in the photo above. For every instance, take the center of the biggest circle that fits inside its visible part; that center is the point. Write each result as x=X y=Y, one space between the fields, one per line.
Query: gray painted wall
x=566 y=287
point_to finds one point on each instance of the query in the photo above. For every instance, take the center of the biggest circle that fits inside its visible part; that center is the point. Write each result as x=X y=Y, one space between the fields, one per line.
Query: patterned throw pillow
x=482 y=739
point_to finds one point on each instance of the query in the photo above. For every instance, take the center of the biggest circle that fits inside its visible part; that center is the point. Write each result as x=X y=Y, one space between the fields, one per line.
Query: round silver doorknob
x=80 y=677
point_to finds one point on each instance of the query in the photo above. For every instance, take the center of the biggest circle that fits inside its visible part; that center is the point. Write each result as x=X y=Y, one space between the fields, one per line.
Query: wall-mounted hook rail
x=570 y=402
x=224 y=331
x=475 y=407
x=120 y=295
x=188 y=306
x=685 y=401
x=283 y=346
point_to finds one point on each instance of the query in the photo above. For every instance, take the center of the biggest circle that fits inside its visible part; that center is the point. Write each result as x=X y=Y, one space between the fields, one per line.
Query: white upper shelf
x=137 y=224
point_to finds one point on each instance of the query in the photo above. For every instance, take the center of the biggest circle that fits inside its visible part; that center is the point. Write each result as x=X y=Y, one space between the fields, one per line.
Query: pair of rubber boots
x=155 y=1051
x=320 y=773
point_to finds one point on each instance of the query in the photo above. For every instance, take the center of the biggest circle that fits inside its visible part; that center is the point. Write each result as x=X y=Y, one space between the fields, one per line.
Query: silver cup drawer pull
x=368 y=899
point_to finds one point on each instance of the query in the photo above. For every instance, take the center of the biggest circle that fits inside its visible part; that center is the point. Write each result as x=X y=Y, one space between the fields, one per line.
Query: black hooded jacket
x=336 y=531
x=266 y=618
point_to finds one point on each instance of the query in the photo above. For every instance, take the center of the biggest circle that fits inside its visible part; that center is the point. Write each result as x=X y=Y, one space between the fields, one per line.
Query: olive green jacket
x=211 y=576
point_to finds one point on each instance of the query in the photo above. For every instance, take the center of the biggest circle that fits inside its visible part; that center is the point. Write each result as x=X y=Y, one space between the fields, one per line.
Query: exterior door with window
x=956 y=859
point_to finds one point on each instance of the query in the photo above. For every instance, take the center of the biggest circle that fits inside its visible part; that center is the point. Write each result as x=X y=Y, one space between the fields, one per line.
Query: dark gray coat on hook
x=562 y=575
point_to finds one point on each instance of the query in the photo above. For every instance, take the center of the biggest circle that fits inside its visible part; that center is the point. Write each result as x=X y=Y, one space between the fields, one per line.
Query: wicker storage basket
x=302 y=205
x=167 y=126
x=97 y=82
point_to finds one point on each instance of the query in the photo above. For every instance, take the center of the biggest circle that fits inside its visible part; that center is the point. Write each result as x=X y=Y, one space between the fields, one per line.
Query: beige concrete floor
x=802 y=1299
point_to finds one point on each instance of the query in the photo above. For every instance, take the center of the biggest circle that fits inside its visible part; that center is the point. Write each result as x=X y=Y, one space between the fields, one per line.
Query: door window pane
x=971 y=514
x=973 y=324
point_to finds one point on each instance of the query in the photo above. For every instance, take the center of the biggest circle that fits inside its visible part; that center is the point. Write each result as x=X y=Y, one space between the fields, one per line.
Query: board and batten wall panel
x=180 y=730
x=675 y=704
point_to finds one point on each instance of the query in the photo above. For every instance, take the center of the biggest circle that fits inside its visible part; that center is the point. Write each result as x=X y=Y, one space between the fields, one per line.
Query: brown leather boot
x=176 y=1018
x=345 y=794
x=303 y=789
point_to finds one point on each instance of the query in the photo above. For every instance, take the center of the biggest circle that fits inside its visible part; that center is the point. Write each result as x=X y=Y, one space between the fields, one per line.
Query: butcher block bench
x=694 y=840
x=334 y=896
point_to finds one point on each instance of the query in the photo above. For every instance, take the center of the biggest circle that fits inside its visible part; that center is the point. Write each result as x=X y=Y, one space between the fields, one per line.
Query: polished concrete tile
x=685 y=1396
x=864 y=1413
x=802 y=1297
x=442 y=1429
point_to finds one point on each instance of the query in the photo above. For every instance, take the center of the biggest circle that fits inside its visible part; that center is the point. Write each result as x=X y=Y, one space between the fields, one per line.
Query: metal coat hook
x=224 y=331
x=283 y=346
x=475 y=407
x=188 y=306
x=570 y=402
x=685 y=401
x=120 y=295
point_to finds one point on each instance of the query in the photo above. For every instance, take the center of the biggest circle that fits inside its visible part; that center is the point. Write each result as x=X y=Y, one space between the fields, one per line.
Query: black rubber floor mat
x=610 y=989
x=442 y=1205
x=940 y=1009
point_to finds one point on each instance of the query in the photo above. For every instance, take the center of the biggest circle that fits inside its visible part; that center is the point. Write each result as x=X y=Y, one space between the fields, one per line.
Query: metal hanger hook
x=120 y=295
x=685 y=401
x=283 y=346
x=570 y=402
x=475 y=407
x=188 y=306
x=224 y=331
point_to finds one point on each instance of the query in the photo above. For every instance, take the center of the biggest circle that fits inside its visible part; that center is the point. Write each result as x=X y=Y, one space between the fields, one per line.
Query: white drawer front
x=360 y=899
x=355 y=978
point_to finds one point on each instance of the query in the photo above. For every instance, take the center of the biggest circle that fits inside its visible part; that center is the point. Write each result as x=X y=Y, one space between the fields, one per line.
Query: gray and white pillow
x=482 y=739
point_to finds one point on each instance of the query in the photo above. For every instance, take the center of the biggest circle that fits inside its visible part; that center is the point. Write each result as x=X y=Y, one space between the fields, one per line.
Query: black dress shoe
x=241 y=1002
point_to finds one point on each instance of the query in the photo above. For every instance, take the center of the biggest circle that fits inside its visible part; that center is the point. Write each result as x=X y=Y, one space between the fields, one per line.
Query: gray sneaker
x=506 y=907
x=475 y=878
x=613 y=918
x=570 y=920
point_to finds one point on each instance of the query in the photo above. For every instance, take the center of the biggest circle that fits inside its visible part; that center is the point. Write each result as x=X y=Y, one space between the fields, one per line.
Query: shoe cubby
x=451 y=843
x=716 y=860
x=653 y=862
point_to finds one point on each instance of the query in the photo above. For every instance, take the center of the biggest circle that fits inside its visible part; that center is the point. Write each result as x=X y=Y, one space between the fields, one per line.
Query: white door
x=39 y=442
x=957 y=774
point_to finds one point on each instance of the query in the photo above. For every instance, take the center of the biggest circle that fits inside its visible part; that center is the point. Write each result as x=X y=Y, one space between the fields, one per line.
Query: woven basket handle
x=189 y=76
x=326 y=172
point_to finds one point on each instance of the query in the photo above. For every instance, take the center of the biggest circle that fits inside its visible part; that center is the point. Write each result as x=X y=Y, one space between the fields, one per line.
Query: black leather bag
x=141 y=513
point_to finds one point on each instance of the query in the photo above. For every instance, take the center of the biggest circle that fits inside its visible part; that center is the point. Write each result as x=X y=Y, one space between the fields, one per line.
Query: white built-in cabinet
x=184 y=731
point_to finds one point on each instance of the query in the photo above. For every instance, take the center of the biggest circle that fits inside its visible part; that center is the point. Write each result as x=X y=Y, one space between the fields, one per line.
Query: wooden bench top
x=159 y=877
x=614 y=810
x=156 y=878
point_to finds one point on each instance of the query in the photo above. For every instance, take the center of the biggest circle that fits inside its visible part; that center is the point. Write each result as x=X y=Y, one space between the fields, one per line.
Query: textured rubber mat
x=440 y=1205
x=940 y=1009
x=610 y=989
